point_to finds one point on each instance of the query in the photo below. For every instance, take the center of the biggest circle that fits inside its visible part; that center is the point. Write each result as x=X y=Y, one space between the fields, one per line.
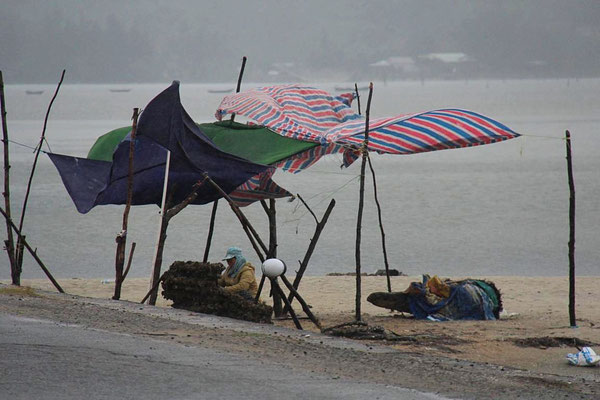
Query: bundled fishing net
x=193 y=286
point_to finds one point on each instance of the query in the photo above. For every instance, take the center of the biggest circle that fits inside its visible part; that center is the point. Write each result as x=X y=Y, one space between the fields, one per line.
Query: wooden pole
x=572 y=318
x=277 y=289
x=313 y=243
x=166 y=217
x=272 y=252
x=157 y=261
x=129 y=260
x=214 y=210
x=211 y=229
x=248 y=228
x=305 y=307
x=357 y=96
x=121 y=238
x=19 y=248
x=361 y=199
x=385 y=259
x=33 y=253
x=239 y=82
x=10 y=242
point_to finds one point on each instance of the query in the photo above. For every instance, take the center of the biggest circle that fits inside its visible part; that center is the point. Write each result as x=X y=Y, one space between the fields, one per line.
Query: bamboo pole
x=9 y=243
x=121 y=238
x=361 y=198
x=385 y=259
x=19 y=248
x=572 y=318
x=33 y=252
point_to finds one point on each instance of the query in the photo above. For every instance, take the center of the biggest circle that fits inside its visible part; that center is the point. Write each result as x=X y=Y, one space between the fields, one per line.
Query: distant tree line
x=152 y=41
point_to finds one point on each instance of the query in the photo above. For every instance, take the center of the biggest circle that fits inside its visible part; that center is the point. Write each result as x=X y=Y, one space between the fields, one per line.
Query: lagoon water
x=501 y=209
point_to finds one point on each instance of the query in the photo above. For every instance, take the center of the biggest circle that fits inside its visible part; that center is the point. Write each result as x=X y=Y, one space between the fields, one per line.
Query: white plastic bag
x=585 y=358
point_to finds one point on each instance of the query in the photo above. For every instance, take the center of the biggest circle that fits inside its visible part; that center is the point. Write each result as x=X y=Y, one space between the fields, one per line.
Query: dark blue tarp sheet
x=164 y=124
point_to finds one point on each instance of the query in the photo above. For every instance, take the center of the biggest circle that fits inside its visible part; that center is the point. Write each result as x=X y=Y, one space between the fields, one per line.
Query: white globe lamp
x=273 y=267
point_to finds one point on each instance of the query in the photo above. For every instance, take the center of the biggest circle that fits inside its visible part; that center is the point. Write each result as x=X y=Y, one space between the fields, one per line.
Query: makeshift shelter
x=314 y=115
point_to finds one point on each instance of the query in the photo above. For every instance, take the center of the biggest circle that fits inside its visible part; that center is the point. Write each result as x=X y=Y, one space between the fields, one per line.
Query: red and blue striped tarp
x=314 y=115
x=298 y=112
x=258 y=187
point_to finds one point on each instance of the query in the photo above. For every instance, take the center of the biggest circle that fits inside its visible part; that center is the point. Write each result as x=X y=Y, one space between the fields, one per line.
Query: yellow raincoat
x=244 y=280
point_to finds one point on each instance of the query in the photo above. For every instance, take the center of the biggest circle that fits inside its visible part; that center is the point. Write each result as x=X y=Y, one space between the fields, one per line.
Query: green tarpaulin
x=254 y=143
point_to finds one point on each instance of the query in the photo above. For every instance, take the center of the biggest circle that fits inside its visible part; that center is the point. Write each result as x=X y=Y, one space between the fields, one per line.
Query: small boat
x=34 y=91
x=125 y=90
x=349 y=88
x=220 y=90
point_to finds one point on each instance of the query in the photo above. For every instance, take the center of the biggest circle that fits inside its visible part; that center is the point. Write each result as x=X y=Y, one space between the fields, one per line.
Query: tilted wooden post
x=313 y=243
x=32 y=251
x=385 y=259
x=19 y=248
x=121 y=238
x=361 y=199
x=572 y=319
x=9 y=243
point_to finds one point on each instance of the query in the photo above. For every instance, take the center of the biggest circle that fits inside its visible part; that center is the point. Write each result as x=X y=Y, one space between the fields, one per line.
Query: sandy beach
x=533 y=332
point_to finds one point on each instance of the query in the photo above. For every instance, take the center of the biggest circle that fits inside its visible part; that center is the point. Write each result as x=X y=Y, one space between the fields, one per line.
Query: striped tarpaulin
x=305 y=159
x=299 y=112
x=428 y=131
x=257 y=188
x=314 y=115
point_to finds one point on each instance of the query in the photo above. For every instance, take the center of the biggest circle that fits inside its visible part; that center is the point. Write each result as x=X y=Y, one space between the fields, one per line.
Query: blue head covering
x=239 y=260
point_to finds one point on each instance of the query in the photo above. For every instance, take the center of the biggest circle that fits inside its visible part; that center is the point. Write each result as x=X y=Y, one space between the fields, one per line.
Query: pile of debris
x=193 y=286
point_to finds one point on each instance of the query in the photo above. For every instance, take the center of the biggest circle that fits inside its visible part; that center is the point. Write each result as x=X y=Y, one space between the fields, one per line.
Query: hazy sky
x=203 y=41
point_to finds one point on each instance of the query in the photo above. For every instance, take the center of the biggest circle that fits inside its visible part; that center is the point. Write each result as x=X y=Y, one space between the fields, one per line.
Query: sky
x=204 y=41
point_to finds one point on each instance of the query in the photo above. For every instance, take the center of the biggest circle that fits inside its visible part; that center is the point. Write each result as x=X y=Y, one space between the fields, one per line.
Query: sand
x=535 y=308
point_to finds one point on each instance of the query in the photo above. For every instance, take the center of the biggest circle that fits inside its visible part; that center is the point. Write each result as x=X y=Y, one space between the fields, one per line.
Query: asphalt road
x=47 y=360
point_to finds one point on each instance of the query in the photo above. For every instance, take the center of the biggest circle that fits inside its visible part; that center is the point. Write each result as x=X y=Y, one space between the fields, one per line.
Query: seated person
x=238 y=277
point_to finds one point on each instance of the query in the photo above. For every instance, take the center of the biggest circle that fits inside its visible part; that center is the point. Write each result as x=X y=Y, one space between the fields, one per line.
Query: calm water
x=500 y=209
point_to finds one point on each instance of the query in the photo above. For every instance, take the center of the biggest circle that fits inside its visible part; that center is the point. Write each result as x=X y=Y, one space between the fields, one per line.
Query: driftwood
x=121 y=238
x=572 y=318
x=10 y=242
x=19 y=247
x=365 y=154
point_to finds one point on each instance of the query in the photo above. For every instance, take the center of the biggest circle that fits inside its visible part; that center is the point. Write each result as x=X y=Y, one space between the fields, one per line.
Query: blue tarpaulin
x=163 y=125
